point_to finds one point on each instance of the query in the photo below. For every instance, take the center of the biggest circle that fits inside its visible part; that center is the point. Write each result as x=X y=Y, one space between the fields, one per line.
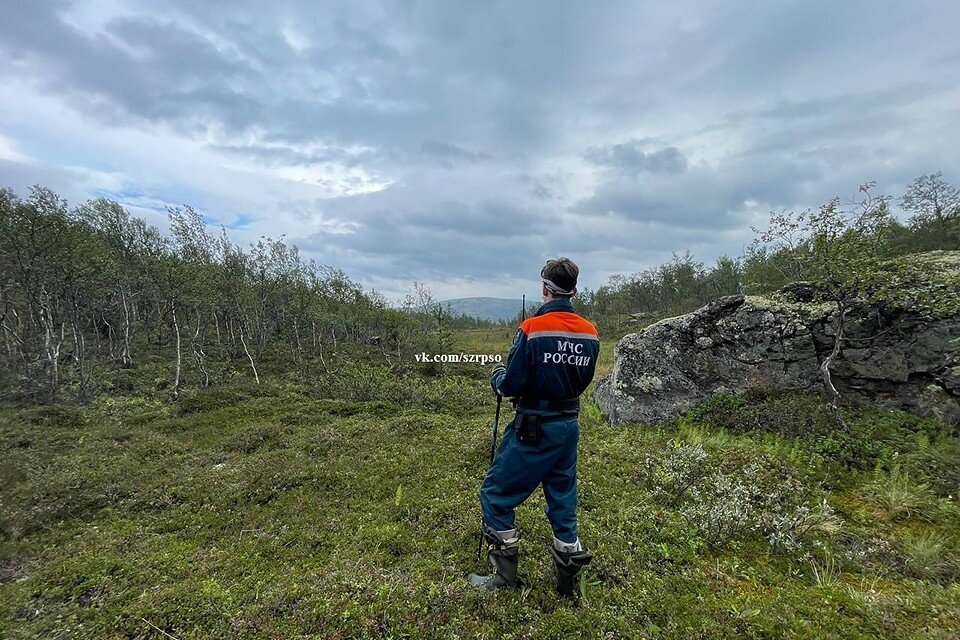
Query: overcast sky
x=461 y=144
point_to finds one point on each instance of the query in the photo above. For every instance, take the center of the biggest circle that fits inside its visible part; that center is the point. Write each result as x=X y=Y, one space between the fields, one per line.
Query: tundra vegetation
x=204 y=440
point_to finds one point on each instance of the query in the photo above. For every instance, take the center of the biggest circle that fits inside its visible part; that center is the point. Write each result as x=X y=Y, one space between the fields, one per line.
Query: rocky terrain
x=894 y=355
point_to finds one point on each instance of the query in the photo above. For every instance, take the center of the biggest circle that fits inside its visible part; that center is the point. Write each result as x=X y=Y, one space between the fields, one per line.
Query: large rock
x=894 y=356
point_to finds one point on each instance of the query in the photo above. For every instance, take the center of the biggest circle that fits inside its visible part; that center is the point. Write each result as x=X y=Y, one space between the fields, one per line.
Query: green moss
x=291 y=511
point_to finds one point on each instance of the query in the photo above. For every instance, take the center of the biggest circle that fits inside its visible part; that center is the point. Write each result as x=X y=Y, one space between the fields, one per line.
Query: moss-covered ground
x=298 y=510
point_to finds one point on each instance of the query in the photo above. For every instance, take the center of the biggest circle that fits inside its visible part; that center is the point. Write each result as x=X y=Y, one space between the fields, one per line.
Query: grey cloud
x=20 y=176
x=630 y=157
x=542 y=192
x=709 y=198
x=349 y=85
x=390 y=247
x=404 y=209
x=540 y=188
x=182 y=72
x=274 y=156
x=398 y=231
x=451 y=152
x=845 y=115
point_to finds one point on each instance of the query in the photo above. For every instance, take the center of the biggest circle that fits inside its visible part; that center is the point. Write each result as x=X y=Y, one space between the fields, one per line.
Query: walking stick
x=493 y=451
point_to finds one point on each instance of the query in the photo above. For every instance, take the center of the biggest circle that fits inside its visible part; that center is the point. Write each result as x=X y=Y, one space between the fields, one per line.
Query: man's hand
x=495 y=373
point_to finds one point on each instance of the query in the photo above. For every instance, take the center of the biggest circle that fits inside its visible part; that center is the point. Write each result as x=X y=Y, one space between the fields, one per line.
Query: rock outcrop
x=894 y=356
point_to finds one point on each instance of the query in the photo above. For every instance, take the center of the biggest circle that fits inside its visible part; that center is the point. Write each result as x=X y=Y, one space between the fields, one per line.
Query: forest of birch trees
x=91 y=290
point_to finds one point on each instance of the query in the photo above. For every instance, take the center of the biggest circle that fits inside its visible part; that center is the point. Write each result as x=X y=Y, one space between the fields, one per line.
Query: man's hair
x=562 y=273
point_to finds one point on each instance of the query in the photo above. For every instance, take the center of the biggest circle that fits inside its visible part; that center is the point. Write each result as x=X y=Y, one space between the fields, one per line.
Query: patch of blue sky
x=156 y=200
x=230 y=220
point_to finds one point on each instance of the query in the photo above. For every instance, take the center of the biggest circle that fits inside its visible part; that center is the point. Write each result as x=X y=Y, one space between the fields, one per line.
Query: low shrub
x=739 y=496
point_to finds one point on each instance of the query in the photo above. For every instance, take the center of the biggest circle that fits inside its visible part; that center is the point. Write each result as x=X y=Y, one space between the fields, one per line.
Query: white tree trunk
x=299 y=347
x=15 y=347
x=198 y=353
x=7 y=341
x=96 y=336
x=320 y=353
x=176 y=330
x=125 y=356
x=250 y=357
x=216 y=324
x=80 y=347
x=55 y=361
x=51 y=347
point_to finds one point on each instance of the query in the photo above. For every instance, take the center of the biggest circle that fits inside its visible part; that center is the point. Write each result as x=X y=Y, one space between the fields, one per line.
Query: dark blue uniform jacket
x=553 y=358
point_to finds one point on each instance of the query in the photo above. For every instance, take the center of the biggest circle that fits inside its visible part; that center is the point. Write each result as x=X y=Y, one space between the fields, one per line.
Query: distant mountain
x=485 y=308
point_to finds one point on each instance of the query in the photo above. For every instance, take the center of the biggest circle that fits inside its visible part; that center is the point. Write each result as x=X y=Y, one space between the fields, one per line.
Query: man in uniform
x=550 y=364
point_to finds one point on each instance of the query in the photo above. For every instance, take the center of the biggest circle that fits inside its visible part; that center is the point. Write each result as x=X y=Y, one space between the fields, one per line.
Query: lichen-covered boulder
x=891 y=355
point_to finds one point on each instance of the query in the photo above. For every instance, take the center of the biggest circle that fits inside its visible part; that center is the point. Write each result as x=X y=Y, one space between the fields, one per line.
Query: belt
x=547 y=419
x=569 y=404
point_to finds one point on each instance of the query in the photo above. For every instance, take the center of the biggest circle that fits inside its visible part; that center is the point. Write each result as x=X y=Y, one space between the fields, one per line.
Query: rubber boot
x=568 y=565
x=503 y=555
